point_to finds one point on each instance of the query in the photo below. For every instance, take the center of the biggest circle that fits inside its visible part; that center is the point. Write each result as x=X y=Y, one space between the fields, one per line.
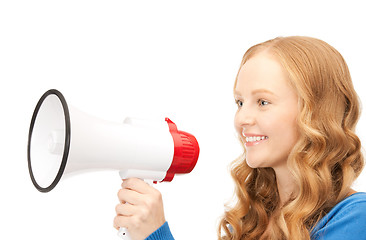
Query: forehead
x=263 y=71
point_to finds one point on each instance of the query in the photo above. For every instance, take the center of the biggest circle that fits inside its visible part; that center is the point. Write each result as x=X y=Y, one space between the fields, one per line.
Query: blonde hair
x=325 y=160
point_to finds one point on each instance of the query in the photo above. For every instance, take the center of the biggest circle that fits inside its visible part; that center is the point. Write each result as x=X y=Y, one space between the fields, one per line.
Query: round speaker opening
x=48 y=140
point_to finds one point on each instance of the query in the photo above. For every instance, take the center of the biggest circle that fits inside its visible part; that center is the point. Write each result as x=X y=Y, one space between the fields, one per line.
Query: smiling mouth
x=253 y=139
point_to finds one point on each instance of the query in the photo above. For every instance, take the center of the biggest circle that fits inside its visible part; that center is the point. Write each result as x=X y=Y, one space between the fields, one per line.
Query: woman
x=297 y=113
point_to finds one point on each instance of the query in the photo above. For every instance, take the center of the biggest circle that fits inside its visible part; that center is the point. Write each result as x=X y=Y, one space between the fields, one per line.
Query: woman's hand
x=140 y=210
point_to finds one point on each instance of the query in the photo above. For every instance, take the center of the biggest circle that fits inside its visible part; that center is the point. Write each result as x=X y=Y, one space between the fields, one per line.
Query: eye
x=262 y=102
x=239 y=103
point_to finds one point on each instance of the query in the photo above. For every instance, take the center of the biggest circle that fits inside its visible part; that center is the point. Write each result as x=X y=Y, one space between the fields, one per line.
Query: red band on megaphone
x=186 y=151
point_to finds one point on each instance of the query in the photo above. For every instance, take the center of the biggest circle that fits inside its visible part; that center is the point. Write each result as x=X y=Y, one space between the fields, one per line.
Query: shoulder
x=346 y=220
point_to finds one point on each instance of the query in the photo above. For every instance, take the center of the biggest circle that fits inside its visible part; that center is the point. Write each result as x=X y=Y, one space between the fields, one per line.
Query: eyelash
x=239 y=103
x=261 y=103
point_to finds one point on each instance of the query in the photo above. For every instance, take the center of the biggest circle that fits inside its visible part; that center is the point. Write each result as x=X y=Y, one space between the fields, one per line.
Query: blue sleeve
x=162 y=233
x=349 y=223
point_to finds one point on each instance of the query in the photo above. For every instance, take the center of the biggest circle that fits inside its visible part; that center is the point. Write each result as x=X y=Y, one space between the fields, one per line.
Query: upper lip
x=253 y=135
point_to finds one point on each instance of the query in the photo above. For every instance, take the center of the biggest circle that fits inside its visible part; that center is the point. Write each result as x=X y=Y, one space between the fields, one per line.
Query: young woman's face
x=267 y=111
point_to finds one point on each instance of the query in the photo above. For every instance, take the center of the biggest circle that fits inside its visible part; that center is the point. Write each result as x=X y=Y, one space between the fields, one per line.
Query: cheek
x=284 y=130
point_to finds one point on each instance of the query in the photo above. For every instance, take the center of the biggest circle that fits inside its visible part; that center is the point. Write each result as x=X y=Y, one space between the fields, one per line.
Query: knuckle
x=116 y=221
x=145 y=213
x=149 y=203
x=129 y=183
x=125 y=183
x=119 y=194
x=119 y=221
x=117 y=208
x=154 y=200
x=156 y=192
x=158 y=195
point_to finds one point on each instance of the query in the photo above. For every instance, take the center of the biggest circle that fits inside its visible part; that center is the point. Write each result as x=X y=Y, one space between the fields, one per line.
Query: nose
x=244 y=117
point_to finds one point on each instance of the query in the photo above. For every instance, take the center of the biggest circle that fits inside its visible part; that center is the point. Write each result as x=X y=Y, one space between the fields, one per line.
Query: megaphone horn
x=63 y=140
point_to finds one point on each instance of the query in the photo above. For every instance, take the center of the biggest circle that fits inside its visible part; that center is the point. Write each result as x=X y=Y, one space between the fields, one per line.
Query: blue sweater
x=346 y=220
x=163 y=233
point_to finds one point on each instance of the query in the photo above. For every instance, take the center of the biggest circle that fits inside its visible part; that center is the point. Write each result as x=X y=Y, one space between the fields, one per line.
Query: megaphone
x=63 y=141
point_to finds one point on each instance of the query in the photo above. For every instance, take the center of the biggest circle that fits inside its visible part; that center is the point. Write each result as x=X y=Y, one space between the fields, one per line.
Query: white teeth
x=255 y=139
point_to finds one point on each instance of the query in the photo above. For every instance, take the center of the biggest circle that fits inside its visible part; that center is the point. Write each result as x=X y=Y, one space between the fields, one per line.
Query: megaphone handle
x=123 y=232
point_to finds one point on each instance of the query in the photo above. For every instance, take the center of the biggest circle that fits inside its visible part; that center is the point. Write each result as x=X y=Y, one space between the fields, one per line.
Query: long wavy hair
x=324 y=162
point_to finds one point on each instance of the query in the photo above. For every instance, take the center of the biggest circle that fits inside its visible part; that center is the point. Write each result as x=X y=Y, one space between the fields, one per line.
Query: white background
x=150 y=59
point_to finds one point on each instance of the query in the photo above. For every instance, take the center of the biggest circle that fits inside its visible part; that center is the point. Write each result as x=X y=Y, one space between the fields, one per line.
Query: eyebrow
x=262 y=90
x=256 y=91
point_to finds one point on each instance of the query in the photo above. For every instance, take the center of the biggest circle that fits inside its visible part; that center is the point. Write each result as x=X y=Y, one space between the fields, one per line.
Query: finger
x=137 y=185
x=125 y=210
x=129 y=196
x=120 y=222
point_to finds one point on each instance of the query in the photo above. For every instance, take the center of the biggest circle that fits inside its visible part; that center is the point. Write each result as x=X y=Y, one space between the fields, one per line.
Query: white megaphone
x=64 y=141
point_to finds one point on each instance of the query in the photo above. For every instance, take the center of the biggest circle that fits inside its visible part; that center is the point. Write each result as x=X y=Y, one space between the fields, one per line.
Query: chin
x=253 y=164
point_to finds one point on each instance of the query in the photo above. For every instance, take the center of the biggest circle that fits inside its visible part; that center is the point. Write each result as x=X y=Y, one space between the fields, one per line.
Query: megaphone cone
x=63 y=140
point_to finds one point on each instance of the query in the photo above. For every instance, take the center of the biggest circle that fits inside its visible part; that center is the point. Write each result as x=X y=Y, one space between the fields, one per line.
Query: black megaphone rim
x=67 y=139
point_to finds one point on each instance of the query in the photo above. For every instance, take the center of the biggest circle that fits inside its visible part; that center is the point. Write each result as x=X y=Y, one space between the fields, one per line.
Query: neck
x=285 y=183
